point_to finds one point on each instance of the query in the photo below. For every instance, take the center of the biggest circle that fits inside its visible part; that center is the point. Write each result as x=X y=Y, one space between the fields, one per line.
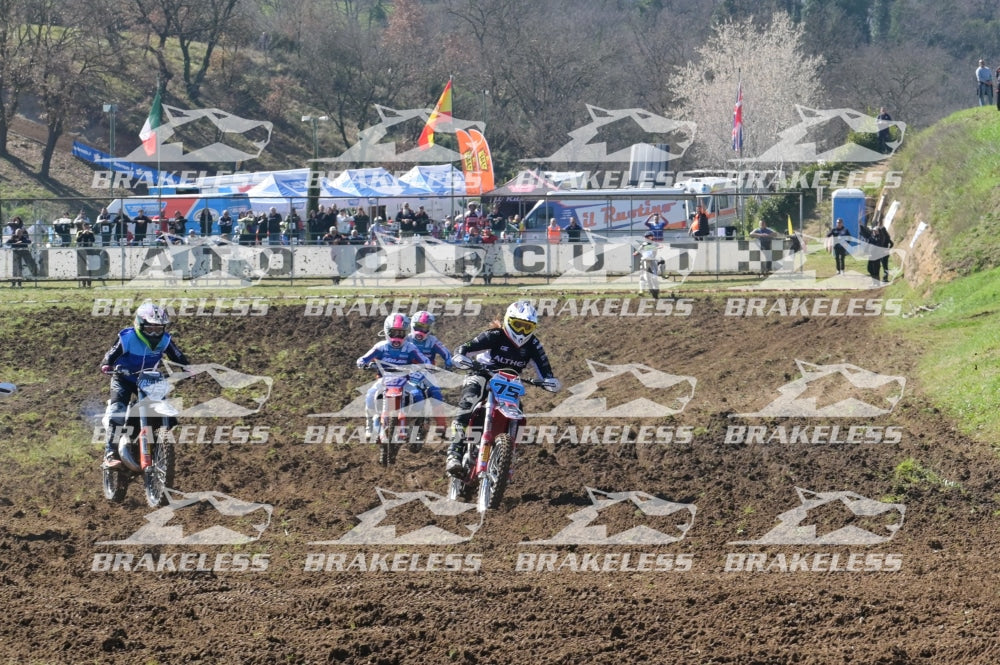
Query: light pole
x=312 y=201
x=111 y=109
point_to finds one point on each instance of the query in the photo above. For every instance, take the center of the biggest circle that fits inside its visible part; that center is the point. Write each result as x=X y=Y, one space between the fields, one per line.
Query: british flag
x=738 y=120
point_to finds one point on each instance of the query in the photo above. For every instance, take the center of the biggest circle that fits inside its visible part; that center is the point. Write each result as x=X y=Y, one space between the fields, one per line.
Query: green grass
x=960 y=365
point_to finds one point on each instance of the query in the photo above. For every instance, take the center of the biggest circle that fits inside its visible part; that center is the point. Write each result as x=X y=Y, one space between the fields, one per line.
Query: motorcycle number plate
x=393 y=391
x=505 y=389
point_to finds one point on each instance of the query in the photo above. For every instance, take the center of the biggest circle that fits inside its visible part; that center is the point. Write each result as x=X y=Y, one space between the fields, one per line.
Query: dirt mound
x=798 y=501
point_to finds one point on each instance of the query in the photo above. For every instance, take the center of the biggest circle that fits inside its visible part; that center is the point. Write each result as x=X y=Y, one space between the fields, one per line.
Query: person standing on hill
x=984 y=83
x=883 y=119
x=839 y=247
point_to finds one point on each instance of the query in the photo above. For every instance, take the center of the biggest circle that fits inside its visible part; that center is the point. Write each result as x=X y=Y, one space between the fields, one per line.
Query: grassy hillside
x=950 y=178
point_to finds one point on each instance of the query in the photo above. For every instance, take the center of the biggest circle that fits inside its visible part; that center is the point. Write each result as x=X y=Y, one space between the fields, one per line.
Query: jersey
x=493 y=347
x=432 y=347
x=131 y=353
x=384 y=352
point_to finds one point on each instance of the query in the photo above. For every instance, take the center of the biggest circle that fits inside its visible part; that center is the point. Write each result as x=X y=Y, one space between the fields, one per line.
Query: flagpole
x=159 y=177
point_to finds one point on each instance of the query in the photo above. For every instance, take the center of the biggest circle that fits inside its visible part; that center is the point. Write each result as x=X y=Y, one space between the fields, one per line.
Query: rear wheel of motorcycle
x=493 y=483
x=115 y=485
x=159 y=477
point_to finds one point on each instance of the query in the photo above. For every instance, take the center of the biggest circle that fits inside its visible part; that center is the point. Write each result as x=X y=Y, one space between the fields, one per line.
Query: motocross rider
x=421 y=326
x=396 y=349
x=137 y=348
x=510 y=344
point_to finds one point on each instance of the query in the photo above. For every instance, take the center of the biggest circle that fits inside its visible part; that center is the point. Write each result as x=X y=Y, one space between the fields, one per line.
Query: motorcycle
x=143 y=445
x=402 y=389
x=489 y=461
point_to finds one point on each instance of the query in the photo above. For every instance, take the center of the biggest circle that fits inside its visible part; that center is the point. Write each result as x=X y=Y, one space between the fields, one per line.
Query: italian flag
x=441 y=113
x=154 y=120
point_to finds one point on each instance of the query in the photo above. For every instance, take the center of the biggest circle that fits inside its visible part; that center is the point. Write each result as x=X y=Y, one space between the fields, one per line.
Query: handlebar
x=479 y=367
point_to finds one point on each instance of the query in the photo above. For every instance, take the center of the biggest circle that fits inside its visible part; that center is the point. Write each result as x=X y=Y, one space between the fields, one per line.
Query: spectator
x=405 y=218
x=19 y=242
x=573 y=231
x=248 y=228
x=122 y=234
x=699 y=226
x=63 y=228
x=649 y=265
x=345 y=222
x=883 y=119
x=984 y=83
x=553 y=232
x=81 y=219
x=496 y=221
x=378 y=231
x=362 y=222
x=355 y=238
x=656 y=223
x=141 y=227
x=85 y=238
x=331 y=237
x=272 y=227
x=226 y=225
x=762 y=231
x=178 y=224
x=839 y=247
x=420 y=222
x=880 y=238
x=105 y=226
x=313 y=229
x=205 y=221
x=293 y=226
x=37 y=233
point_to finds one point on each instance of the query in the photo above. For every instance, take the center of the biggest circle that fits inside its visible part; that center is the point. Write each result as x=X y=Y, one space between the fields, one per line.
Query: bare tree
x=197 y=25
x=72 y=57
x=775 y=73
x=18 y=55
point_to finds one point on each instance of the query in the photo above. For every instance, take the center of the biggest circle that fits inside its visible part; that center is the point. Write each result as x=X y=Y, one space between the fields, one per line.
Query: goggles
x=153 y=328
x=421 y=328
x=397 y=333
x=521 y=327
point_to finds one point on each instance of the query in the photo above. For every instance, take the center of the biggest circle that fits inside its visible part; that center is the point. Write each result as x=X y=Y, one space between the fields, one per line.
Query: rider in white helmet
x=137 y=348
x=508 y=344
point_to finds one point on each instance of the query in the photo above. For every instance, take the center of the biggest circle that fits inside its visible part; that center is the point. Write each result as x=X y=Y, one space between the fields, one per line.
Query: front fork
x=145 y=446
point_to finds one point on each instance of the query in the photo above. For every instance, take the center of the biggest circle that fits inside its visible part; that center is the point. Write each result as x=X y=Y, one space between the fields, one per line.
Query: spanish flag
x=441 y=113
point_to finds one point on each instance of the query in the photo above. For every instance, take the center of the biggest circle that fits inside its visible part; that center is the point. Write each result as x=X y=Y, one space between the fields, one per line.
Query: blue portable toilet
x=849 y=205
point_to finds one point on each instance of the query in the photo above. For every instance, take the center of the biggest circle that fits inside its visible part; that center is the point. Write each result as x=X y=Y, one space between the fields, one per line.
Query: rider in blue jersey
x=421 y=326
x=396 y=350
x=137 y=348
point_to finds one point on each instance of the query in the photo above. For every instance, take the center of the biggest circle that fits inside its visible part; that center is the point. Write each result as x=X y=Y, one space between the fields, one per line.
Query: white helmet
x=421 y=324
x=520 y=321
x=151 y=322
x=395 y=328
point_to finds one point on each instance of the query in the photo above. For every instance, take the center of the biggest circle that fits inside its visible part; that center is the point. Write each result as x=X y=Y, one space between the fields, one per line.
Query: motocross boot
x=111 y=458
x=456 y=451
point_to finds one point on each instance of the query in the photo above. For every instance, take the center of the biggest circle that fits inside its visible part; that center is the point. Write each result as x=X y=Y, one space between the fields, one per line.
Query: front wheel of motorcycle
x=115 y=484
x=159 y=476
x=493 y=482
x=388 y=446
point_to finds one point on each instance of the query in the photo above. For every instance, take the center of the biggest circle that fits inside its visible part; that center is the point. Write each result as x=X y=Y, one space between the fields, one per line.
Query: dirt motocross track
x=708 y=552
